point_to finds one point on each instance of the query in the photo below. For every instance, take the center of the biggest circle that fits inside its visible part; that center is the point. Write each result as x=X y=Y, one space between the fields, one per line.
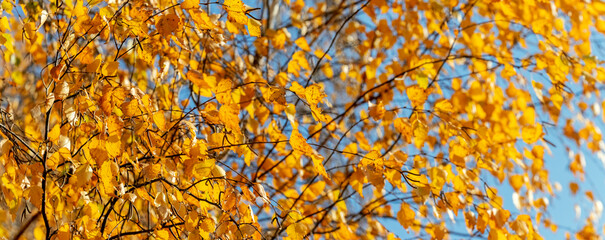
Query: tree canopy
x=298 y=119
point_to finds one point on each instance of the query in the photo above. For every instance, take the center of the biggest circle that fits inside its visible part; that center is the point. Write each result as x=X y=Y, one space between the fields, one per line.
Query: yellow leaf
x=314 y=94
x=557 y=100
x=532 y=134
x=423 y=80
x=377 y=111
x=297 y=230
x=54 y=133
x=357 y=180
x=147 y=55
x=437 y=179
x=599 y=6
x=110 y=68
x=496 y=234
x=53 y=161
x=79 y=10
x=64 y=232
x=228 y=115
x=113 y=145
x=62 y=90
x=114 y=125
x=298 y=142
x=444 y=106
x=202 y=20
x=159 y=120
x=319 y=53
x=83 y=175
x=516 y=182
x=298 y=5
x=223 y=91
x=162 y=234
x=4 y=25
x=318 y=164
x=57 y=71
x=188 y=4
x=233 y=27
x=107 y=175
x=7 y=6
x=203 y=168
x=93 y=2
x=131 y=108
x=111 y=97
x=417 y=179
x=417 y=95
x=403 y=126
x=302 y=44
x=278 y=38
x=420 y=134
x=202 y=81
x=218 y=171
x=207 y=225
x=298 y=89
x=254 y=27
x=327 y=70
x=297 y=62
x=236 y=11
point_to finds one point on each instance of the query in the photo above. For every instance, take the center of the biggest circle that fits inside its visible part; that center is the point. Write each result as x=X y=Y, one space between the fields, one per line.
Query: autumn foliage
x=297 y=119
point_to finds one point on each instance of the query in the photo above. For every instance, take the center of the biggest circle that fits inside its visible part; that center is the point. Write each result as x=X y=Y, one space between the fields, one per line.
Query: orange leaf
x=169 y=24
x=516 y=182
x=406 y=215
x=573 y=187
x=188 y=4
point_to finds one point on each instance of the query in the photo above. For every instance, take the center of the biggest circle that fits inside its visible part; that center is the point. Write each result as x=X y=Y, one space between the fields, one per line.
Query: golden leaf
x=236 y=11
x=406 y=215
x=297 y=231
x=416 y=95
x=302 y=44
x=516 y=182
x=254 y=27
x=314 y=94
x=159 y=120
x=189 y=4
x=228 y=115
x=532 y=134
x=444 y=106
x=110 y=68
x=107 y=175
x=203 y=168
x=36 y=196
x=201 y=19
x=169 y=24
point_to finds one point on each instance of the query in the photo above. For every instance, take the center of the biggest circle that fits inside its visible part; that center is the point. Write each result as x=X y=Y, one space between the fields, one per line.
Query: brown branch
x=144 y=231
x=26 y=225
